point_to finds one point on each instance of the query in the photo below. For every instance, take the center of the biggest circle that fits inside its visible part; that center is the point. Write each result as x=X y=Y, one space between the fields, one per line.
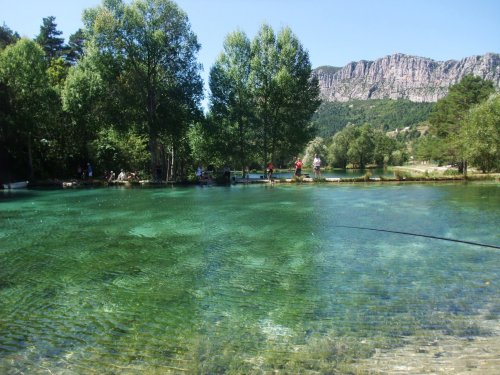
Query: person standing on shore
x=298 y=167
x=317 y=166
x=269 y=170
x=90 y=173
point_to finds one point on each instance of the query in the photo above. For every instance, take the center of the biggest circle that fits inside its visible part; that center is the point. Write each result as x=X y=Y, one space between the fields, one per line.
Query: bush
x=451 y=172
x=401 y=175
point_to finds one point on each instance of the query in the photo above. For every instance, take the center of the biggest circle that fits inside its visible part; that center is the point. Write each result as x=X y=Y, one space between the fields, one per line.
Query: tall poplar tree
x=268 y=91
x=231 y=104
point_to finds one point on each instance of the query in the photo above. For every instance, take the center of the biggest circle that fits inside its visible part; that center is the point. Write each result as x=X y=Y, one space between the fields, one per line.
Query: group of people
x=203 y=176
x=122 y=176
x=85 y=172
x=298 y=167
x=316 y=166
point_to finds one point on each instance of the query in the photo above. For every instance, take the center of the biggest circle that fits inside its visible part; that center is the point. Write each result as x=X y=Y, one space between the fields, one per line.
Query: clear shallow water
x=239 y=279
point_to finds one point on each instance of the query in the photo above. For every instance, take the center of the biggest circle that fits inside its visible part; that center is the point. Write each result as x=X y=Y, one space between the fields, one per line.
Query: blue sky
x=335 y=32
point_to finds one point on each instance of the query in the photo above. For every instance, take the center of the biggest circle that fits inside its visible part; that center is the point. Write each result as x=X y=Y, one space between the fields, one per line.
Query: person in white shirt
x=122 y=176
x=317 y=165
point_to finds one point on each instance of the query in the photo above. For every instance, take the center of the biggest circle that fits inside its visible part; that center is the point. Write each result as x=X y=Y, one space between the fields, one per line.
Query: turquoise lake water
x=239 y=279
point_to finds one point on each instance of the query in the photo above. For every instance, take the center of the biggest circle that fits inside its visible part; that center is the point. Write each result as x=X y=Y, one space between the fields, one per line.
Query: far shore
x=407 y=173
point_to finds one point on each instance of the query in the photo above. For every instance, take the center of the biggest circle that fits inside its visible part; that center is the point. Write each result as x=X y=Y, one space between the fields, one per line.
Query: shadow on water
x=7 y=195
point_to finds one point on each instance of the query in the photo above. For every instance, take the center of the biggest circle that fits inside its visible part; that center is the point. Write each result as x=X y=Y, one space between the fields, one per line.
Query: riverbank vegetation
x=126 y=93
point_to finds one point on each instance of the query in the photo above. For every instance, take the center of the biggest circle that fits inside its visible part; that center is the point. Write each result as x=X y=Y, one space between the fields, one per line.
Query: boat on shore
x=16 y=185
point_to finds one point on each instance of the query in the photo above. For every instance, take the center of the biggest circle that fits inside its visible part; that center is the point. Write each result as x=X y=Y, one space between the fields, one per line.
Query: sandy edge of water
x=441 y=355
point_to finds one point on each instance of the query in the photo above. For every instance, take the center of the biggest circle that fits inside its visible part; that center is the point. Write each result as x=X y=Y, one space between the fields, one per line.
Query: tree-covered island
x=125 y=92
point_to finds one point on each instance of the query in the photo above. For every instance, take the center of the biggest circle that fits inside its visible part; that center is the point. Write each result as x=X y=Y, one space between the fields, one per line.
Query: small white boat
x=16 y=185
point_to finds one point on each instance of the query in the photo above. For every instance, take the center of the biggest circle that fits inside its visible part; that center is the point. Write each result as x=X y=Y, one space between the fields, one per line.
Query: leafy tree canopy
x=151 y=61
x=481 y=135
x=264 y=92
x=7 y=36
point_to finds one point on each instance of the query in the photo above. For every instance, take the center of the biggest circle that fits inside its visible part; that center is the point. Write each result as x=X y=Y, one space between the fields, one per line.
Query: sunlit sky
x=335 y=32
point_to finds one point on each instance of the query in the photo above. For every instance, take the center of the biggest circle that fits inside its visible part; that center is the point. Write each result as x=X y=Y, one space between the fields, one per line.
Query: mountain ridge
x=402 y=76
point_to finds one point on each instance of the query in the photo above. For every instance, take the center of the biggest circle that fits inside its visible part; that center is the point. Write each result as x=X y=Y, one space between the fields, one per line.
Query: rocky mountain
x=400 y=76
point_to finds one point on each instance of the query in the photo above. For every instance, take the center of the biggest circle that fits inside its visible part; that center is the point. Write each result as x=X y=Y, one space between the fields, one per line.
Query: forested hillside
x=384 y=114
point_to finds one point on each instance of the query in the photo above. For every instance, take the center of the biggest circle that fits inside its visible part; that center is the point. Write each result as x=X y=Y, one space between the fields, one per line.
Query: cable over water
x=419 y=235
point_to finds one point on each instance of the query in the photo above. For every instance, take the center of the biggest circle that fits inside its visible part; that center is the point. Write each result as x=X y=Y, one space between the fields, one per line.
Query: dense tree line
x=460 y=129
x=464 y=127
x=126 y=92
x=357 y=147
x=262 y=99
x=383 y=114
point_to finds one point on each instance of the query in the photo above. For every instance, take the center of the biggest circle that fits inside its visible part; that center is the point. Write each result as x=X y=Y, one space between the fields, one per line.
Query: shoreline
x=421 y=173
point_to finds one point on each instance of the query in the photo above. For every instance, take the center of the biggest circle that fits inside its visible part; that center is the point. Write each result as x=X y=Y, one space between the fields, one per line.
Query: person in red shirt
x=298 y=167
x=270 y=169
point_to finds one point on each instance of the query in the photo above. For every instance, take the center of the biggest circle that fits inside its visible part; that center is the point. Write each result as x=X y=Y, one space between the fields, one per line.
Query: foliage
x=57 y=72
x=49 y=39
x=315 y=147
x=446 y=118
x=7 y=36
x=152 y=55
x=113 y=151
x=481 y=135
x=231 y=128
x=75 y=47
x=337 y=151
x=29 y=119
x=262 y=98
x=286 y=96
x=363 y=145
x=83 y=96
x=384 y=114
x=361 y=149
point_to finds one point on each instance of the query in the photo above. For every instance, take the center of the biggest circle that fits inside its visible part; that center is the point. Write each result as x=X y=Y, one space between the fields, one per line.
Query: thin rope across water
x=419 y=235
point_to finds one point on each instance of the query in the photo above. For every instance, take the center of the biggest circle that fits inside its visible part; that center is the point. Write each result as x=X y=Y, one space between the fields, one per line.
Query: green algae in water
x=243 y=279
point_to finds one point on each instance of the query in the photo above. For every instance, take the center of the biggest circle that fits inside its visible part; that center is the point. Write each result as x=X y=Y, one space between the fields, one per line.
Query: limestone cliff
x=402 y=76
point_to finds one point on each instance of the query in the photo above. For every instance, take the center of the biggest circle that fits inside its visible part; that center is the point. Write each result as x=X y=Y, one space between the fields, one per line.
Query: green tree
x=315 y=147
x=49 y=38
x=481 y=135
x=384 y=148
x=74 y=49
x=262 y=99
x=429 y=148
x=114 y=150
x=84 y=99
x=284 y=93
x=448 y=115
x=339 y=147
x=231 y=125
x=7 y=36
x=361 y=150
x=27 y=130
x=154 y=50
